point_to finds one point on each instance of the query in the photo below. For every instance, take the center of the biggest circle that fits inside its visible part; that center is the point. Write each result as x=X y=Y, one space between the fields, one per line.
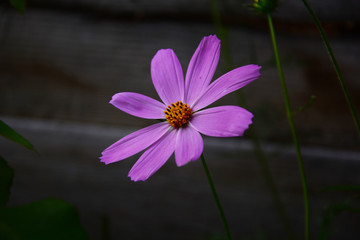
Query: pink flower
x=182 y=109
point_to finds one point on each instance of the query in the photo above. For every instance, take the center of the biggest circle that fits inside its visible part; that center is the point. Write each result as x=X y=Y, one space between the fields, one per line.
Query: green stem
x=221 y=32
x=105 y=227
x=260 y=155
x=270 y=183
x=335 y=64
x=218 y=204
x=292 y=127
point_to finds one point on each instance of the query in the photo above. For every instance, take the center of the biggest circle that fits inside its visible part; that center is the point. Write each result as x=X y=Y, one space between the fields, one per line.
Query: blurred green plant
x=222 y=32
x=216 y=198
x=336 y=66
x=306 y=106
x=335 y=209
x=41 y=220
x=290 y=117
x=9 y=133
x=19 y=5
x=267 y=7
x=6 y=176
x=342 y=188
x=330 y=213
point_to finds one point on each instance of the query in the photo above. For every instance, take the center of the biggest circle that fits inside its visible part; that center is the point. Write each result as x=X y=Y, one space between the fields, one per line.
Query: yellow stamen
x=178 y=114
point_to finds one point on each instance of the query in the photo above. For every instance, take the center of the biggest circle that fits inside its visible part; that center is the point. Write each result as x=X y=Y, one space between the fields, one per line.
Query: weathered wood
x=175 y=203
x=62 y=60
x=332 y=10
x=67 y=66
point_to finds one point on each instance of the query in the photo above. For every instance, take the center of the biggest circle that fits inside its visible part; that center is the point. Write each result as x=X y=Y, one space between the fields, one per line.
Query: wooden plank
x=175 y=203
x=67 y=66
x=333 y=10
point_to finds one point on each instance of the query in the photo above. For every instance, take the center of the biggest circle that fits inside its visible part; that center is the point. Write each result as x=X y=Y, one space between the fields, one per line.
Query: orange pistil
x=178 y=114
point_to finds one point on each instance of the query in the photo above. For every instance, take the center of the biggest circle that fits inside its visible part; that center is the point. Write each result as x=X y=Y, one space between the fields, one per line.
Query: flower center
x=178 y=114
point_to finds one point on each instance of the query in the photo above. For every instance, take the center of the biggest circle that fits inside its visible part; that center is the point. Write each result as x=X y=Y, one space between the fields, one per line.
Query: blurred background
x=61 y=62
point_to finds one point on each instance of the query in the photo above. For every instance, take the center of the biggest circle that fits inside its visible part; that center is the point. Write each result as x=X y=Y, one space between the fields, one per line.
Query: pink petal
x=224 y=121
x=139 y=105
x=154 y=157
x=227 y=83
x=167 y=76
x=134 y=143
x=189 y=145
x=201 y=68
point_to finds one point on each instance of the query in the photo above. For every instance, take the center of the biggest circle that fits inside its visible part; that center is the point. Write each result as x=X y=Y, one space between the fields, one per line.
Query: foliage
x=41 y=220
x=6 y=176
x=11 y=134
x=19 y=5
x=335 y=209
x=45 y=219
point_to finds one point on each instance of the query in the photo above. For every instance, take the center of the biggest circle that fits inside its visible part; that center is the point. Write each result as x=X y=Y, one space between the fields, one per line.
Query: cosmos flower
x=182 y=109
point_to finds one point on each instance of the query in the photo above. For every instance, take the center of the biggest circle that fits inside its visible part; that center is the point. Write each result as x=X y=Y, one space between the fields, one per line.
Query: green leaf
x=42 y=220
x=19 y=5
x=306 y=106
x=11 y=134
x=329 y=214
x=342 y=188
x=6 y=176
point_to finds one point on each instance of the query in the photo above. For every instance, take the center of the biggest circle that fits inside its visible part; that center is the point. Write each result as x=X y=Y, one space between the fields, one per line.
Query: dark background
x=61 y=62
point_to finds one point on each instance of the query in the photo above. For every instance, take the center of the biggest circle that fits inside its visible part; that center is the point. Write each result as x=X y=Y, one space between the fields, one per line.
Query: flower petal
x=201 y=68
x=139 y=105
x=223 y=121
x=134 y=143
x=154 y=157
x=227 y=83
x=167 y=76
x=189 y=145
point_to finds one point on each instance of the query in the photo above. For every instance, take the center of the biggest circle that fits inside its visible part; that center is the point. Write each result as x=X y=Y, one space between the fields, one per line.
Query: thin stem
x=218 y=204
x=336 y=66
x=259 y=153
x=292 y=127
x=105 y=227
x=221 y=32
x=270 y=183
